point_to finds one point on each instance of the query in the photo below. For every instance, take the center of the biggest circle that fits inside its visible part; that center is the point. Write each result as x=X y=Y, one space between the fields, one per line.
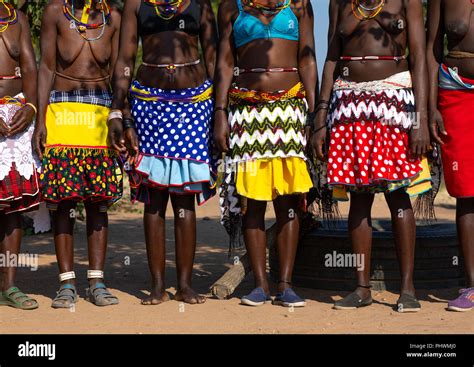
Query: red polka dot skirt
x=368 y=152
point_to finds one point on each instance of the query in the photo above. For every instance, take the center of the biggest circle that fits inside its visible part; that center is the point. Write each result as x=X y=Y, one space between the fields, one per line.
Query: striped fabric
x=98 y=97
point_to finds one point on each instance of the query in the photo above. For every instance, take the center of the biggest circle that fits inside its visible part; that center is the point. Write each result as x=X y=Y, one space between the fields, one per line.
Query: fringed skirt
x=173 y=128
x=456 y=104
x=19 y=188
x=266 y=157
x=77 y=163
x=369 y=126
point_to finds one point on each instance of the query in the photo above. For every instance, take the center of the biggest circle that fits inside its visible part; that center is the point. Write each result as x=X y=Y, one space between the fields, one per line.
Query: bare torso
x=10 y=58
x=171 y=47
x=79 y=58
x=385 y=35
x=458 y=17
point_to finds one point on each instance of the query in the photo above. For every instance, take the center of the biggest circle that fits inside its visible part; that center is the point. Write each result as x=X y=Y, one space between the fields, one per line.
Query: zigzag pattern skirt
x=267 y=144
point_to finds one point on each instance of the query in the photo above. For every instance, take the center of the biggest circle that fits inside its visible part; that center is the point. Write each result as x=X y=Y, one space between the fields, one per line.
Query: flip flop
x=15 y=298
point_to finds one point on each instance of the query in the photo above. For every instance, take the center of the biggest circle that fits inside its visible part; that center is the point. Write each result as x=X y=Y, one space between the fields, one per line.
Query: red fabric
x=17 y=193
x=367 y=153
x=457 y=108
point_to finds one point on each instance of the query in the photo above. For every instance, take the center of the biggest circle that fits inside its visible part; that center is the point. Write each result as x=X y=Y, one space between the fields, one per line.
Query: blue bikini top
x=248 y=27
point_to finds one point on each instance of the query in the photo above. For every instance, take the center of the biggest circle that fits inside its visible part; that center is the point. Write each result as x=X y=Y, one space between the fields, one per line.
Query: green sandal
x=99 y=295
x=13 y=297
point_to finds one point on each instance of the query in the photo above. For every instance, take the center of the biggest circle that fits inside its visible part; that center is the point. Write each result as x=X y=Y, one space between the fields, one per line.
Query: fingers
x=319 y=151
x=117 y=142
x=434 y=134
x=38 y=146
x=441 y=128
x=18 y=125
x=222 y=143
x=4 y=128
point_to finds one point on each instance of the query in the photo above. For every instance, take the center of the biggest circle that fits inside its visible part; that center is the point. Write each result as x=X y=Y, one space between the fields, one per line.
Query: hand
x=436 y=127
x=4 y=128
x=39 y=139
x=318 y=139
x=115 y=138
x=22 y=119
x=221 y=131
x=131 y=143
x=419 y=137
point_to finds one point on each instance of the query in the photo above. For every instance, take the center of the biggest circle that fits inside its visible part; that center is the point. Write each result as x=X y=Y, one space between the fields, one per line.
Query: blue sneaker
x=256 y=298
x=288 y=298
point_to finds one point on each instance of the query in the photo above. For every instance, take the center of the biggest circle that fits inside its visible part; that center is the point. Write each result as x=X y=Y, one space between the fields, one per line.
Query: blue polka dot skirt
x=175 y=144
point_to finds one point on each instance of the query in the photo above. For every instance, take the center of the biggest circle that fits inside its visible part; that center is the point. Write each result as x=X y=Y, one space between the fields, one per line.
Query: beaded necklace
x=267 y=10
x=363 y=12
x=166 y=9
x=12 y=17
x=81 y=25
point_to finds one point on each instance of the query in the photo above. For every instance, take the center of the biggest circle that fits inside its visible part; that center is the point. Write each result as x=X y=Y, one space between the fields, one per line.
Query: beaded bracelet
x=115 y=114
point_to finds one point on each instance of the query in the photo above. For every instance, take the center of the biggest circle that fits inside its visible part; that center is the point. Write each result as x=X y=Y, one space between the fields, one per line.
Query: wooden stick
x=226 y=285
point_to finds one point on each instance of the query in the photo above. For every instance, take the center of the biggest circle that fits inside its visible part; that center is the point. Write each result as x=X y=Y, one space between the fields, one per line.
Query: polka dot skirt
x=369 y=153
x=172 y=129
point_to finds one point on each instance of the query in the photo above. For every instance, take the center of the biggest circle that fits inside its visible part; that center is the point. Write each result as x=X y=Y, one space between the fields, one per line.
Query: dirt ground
x=127 y=277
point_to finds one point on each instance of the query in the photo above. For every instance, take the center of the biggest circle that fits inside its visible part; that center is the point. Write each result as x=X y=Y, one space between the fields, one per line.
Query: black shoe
x=352 y=301
x=407 y=303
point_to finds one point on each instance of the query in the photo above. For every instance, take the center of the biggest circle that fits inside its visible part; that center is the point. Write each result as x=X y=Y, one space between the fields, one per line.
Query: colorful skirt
x=173 y=129
x=456 y=104
x=266 y=158
x=19 y=188
x=77 y=163
x=369 y=126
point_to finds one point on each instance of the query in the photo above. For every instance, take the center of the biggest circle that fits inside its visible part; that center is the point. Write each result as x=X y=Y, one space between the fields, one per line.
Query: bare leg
x=185 y=238
x=288 y=225
x=360 y=230
x=465 y=226
x=97 y=232
x=10 y=237
x=63 y=227
x=255 y=241
x=404 y=230
x=154 y=222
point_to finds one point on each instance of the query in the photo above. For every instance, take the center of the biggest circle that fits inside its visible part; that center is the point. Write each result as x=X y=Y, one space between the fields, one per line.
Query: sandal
x=13 y=297
x=66 y=297
x=99 y=295
x=408 y=303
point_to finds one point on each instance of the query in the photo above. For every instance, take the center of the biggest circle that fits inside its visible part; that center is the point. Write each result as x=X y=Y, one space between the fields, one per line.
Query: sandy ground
x=127 y=277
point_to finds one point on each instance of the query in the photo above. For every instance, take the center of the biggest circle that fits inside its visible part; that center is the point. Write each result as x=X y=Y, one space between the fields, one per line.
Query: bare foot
x=156 y=297
x=188 y=295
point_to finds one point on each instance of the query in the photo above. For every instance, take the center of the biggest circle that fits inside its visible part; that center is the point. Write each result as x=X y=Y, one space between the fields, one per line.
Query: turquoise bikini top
x=248 y=27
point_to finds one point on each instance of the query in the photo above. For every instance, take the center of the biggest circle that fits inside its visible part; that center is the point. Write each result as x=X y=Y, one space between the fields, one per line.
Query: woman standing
x=171 y=104
x=19 y=189
x=377 y=125
x=79 y=46
x=266 y=85
x=451 y=124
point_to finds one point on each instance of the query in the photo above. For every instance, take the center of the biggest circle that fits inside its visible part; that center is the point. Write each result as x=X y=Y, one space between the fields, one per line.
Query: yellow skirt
x=265 y=179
